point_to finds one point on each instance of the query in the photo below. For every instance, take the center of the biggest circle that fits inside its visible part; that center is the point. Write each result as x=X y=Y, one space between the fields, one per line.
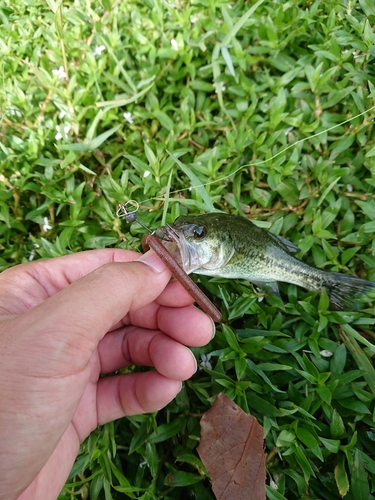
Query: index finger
x=37 y=281
x=68 y=326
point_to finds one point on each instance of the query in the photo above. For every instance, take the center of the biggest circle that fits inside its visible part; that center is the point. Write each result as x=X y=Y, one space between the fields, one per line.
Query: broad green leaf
x=338 y=360
x=341 y=146
x=164 y=119
x=228 y=60
x=152 y=458
x=239 y=24
x=359 y=483
x=262 y=406
x=332 y=445
x=370 y=153
x=324 y=393
x=166 y=431
x=309 y=441
x=273 y=494
x=299 y=480
x=98 y=141
x=341 y=476
x=303 y=462
x=86 y=169
x=197 y=184
x=53 y=5
x=181 y=478
x=123 y=102
x=231 y=338
x=337 y=426
x=349 y=336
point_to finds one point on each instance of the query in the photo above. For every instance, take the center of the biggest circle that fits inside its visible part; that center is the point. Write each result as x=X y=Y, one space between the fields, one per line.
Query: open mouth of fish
x=179 y=247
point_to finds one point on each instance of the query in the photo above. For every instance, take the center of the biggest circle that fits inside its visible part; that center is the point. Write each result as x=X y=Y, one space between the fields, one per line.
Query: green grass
x=211 y=91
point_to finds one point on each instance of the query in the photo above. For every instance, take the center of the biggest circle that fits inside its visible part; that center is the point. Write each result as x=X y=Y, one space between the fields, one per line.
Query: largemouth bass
x=231 y=246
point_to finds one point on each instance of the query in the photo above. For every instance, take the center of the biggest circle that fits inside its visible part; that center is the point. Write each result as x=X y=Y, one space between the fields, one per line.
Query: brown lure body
x=151 y=241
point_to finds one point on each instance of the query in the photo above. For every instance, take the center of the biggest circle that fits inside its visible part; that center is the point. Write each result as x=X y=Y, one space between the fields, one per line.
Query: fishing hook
x=130 y=215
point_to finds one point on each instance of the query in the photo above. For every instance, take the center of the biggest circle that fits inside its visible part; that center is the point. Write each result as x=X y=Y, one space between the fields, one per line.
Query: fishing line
x=262 y=162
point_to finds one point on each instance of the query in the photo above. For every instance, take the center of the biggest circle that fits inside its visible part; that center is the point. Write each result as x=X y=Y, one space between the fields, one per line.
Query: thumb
x=74 y=320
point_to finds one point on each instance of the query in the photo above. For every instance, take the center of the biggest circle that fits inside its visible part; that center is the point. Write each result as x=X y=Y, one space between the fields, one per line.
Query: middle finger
x=133 y=345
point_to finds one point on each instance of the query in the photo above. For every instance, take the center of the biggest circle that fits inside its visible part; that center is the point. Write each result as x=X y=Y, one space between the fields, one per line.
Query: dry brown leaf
x=231 y=449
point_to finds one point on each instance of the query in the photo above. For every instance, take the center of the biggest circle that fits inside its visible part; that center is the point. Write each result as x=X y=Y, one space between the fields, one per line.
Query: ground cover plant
x=263 y=109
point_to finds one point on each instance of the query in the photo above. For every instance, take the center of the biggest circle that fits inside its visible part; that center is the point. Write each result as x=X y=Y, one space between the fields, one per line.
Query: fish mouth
x=179 y=247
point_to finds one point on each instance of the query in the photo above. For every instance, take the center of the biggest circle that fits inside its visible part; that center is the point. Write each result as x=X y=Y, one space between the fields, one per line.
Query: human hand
x=63 y=323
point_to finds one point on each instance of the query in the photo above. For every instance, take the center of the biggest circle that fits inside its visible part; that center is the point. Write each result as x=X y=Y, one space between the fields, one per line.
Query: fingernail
x=195 y=361
x=152 y=260
x=213 y=328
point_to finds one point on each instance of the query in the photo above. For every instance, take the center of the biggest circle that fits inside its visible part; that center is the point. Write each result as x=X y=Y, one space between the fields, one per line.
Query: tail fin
x=346 y=292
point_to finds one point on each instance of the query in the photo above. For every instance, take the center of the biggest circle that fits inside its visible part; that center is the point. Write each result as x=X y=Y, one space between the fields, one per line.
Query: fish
x=231 y=246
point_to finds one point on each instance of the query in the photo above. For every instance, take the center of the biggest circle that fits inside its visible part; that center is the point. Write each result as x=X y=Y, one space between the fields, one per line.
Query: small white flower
x=98 y=50
x=67 y=128
x=64 y=114
x=326 y=354
x=58 y=136
x=46 y=224
x=15 y=112
x=62 y=131
x=128 y=117
x=220 y=86
x=60 y=73
x=146 y=173
x=273 y=484
x=193 y=19
x=174 y=44
x=32 y=253
x=205 y=361
x=349 y=187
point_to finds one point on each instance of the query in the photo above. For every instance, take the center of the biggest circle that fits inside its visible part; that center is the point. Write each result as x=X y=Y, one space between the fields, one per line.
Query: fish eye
x=199 y=232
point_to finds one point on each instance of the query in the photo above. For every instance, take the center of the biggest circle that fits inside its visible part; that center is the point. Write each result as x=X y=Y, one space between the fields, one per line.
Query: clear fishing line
x=262 y=162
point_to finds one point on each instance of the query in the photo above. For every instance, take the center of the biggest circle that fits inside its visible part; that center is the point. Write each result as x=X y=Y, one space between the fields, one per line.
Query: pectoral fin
x=269 y=286
x=285 y=244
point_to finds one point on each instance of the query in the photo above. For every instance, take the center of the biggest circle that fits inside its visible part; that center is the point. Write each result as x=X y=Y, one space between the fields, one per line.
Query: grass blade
x=236 y=28
x=166 y=200
x=348 y=334
x=197 y=184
